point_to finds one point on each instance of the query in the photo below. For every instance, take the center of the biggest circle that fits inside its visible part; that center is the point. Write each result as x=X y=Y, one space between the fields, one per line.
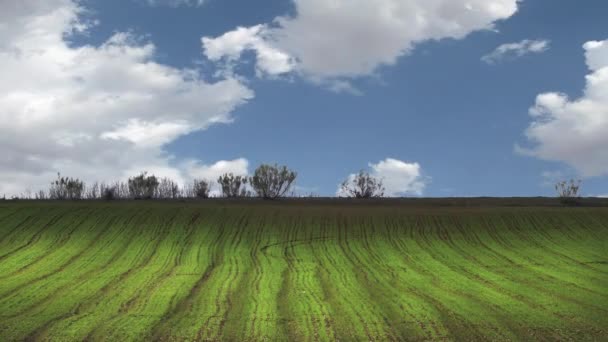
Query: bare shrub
x=362 y=185
x=167 y=189
x=233 y=186
x=201 y=188
x=568 y=192
x=92 y=191
x=64 y=188
x=108 y=192
x=272 y=181
x=143 y=186
x=41 y=195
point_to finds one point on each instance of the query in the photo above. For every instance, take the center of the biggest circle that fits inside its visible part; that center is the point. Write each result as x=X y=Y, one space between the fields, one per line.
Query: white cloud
x=196 y=170
x=513 y=50
x=238 y=167
x=351 y=38
x=575 y=131
x=176 y=3
x=94 y=112
x=399 y=178
x=230 y=46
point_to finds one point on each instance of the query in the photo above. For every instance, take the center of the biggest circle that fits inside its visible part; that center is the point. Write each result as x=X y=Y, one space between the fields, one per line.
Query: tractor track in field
x=129 y=272
x=81 y=278
x=541 y=274
x=309 y=287
x=257 y=276
x=295 y=242
x=7 y=237
x=357 y=268
x=389 y=276
x=39 y=332
x=462 y=272
x=233 y=276
x=140 y=298
x=63 y=266
x=435 y=283
x=22 y=222
x=187 y=302
x=479 y=279
x=34 y=238
x=62 y=242
x=502 y=274
x=531 y=285
x=537 y=226
x=327 y=288
x=9 y=215
x=113 y=258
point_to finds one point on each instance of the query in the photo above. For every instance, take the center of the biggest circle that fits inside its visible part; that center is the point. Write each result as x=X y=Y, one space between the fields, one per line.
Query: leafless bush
x=167 y=189
x=109 y=192
x=66 y=188
x=201 y=188
x=271 y=182
x=143 y=186
x=41 y=195
x=91 y=192
x=362 y=185
x=122 y=190
x=233 y=186
x=568 y=191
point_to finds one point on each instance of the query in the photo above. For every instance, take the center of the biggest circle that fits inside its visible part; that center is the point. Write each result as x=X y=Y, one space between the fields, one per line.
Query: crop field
x=343 y=271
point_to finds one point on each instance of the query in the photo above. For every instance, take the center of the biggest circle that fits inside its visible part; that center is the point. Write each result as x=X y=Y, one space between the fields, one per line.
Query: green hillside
x=310 y=271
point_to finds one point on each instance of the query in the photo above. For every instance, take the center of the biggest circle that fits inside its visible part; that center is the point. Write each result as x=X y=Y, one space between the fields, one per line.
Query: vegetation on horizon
x=268 y=182
x=362 y=185
x=271 y=182
x=568 y=192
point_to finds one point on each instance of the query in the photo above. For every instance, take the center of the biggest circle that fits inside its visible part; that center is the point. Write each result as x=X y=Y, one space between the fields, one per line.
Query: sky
x=438 y=98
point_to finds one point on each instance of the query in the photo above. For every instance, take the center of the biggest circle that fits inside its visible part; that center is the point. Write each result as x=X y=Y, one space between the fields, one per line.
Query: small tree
x=201 y=188
x=109 y=193
x=167 y=189
x=40 y=195
x=362 y=185
x=143 y=186
x=568 y=192
x=271 y=182
x=66 y=188
x=233 y=186
x=92 y=192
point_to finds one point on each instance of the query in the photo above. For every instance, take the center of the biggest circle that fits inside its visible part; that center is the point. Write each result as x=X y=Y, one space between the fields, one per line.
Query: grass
x=310 y=270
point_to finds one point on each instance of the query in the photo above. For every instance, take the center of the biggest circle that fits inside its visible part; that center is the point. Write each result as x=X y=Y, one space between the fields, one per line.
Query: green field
x=251 y=271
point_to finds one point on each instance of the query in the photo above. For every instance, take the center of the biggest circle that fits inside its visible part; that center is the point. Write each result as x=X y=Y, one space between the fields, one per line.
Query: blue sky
x=435 y=104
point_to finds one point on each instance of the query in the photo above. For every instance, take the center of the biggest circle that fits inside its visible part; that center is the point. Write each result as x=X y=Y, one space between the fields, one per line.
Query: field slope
x=308 y=271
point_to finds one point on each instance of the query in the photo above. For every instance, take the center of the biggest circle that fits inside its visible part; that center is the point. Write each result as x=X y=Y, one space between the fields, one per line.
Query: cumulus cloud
x=515 y=50
x=398 y=177
x=574 y=131
x=351 y=38
x=176 y=3
x=230 y=46
x=238 y=167
x=97 y=112
x=196 y=170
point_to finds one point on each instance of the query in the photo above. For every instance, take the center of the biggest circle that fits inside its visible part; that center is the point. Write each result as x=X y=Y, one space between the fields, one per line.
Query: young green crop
x=221 y=270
